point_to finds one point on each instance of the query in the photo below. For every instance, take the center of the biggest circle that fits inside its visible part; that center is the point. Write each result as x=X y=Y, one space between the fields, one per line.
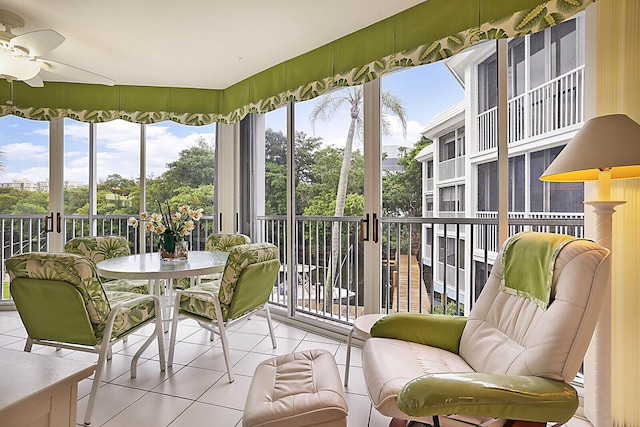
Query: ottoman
x=300 y=389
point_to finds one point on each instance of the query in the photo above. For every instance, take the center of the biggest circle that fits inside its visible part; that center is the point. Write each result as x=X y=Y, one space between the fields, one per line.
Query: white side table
x=362 y=328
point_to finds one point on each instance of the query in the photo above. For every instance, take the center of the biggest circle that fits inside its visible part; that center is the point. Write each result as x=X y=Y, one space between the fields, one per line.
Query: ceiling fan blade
x=35 y=81
x=75 y=74
x=12 y=67
x=38 y=43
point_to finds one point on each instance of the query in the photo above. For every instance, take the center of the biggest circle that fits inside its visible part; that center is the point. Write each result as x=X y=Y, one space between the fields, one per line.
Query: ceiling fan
x=20 y=56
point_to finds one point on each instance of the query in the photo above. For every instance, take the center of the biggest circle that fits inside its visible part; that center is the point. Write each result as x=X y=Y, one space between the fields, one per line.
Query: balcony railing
x=332 y=290
x=409 y=282
x=554 y=105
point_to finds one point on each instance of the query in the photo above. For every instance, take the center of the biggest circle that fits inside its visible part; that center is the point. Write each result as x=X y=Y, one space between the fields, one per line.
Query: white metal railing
x=488 y=130
x=554 y=105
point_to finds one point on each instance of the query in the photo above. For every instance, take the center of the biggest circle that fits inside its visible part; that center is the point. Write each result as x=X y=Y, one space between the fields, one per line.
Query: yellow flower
x=132 y=222
x=160 y=229
x=184 y=209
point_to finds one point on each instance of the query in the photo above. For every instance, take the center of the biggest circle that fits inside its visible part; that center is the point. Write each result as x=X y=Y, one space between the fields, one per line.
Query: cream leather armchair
x=513 y=358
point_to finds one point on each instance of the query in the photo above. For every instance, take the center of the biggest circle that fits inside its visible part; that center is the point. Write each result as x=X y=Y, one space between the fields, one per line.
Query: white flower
x=144 y=216
x=160 y=229
x=189 y=226
x=156 y=217
x=184 y=209
x=133 y=222
x=176 y=216
x=148 y=226
x=196 y=215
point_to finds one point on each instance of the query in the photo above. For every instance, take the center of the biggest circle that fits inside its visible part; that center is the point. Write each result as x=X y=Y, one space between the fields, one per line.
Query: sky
x=425 y=92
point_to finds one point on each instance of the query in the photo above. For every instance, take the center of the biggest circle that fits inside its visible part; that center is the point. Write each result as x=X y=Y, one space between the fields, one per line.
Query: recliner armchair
x=513 y=357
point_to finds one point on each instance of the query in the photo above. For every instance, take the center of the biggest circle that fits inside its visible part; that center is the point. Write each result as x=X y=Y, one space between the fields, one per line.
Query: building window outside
x=452 y=198
x=488 y=187
x=517 y=183
x=487 y=87
x=564 y=197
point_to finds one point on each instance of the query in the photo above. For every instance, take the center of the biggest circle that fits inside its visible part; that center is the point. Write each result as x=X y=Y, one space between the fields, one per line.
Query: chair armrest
x=514 y=397
x=434 y=330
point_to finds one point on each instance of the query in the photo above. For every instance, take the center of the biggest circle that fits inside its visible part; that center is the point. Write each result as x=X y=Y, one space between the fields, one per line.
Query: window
x=447 y=149
x=450 y=249
x=553 y=196
x=517 y=183
x=452 y=198
x=488 y=187
x=555 y=51
x=487 y=84
x=516 y=68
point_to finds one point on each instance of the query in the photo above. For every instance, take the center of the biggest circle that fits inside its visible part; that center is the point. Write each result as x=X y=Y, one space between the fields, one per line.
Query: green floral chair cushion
x=80 y=272
x=225 y=242
x=99 y=248
x=128 y=318
x=240 y=257
x=216 y=242
x=70 y=268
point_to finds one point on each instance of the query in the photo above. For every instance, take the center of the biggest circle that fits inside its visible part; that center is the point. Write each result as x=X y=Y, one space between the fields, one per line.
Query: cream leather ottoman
x=300 y=389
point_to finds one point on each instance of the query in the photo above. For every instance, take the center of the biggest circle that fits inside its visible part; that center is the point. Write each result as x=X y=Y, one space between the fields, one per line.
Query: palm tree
x=353 y=98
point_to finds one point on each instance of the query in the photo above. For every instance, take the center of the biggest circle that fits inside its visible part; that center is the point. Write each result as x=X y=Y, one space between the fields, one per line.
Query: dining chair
x=99 y=248
x=244 y=289
x=215 y=242
x=63 y=304
x=515 y=355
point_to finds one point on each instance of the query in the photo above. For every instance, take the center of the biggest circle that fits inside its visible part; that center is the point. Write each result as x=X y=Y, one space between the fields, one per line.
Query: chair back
x=59 y=296
x=510 y=333
x=248 y=278
x=225 y=242
x=98 y=248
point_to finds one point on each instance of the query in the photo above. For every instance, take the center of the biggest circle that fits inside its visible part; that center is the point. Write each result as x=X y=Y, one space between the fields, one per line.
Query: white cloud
x=21 y=151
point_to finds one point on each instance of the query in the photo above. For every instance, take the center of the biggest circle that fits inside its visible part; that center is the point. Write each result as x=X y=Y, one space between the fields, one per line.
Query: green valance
x=425 y=33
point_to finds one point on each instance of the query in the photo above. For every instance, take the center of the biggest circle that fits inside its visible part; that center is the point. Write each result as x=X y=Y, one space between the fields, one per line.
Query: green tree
x=403 y=189
x=353 y=99
x=195 y=166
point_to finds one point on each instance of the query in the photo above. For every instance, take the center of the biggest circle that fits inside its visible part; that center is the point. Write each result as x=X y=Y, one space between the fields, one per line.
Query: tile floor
x=195 y=391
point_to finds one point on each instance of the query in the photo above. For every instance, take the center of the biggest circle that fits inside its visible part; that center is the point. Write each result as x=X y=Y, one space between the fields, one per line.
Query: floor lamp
x=605 y=148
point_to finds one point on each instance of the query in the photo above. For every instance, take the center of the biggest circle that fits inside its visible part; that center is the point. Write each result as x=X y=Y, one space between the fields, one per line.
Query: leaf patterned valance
x=426 y=33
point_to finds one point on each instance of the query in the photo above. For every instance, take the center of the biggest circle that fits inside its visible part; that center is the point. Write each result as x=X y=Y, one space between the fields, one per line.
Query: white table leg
x=348 y=361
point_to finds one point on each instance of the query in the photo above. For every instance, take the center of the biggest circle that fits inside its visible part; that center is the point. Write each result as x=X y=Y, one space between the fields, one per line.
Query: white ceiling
x=192 y=43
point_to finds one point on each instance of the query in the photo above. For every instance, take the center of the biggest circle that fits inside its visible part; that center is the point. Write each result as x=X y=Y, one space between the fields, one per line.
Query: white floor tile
x=196 y=391
x=230 y=395
x=151 y=410
x=204 y=414
x=189 y=382
x=285 y=346
x=110 y=401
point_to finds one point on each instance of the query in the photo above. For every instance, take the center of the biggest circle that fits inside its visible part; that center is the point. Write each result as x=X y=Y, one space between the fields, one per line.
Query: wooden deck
x=407 y=279
x=413 y=293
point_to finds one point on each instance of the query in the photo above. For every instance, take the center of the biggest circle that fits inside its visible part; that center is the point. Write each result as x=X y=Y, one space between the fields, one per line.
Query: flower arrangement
x=171 y=228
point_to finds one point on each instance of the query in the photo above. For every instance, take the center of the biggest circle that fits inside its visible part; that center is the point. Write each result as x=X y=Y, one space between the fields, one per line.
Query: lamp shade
x=609 y=142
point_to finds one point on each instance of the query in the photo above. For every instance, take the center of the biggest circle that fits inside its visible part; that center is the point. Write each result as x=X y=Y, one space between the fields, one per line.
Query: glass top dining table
x=149 y=266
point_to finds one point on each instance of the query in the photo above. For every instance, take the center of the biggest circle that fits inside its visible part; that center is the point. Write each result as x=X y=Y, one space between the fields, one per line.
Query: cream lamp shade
x=606 y=143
